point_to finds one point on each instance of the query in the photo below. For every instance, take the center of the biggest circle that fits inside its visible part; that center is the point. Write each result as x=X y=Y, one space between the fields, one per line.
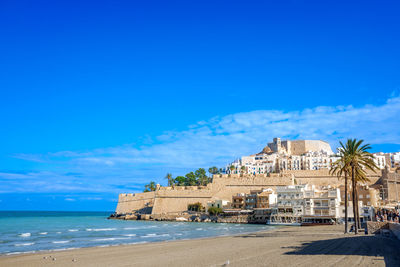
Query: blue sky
x=99 y=97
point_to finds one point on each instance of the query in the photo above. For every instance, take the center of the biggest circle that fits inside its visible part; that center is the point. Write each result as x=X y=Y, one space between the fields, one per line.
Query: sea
x=35 y=231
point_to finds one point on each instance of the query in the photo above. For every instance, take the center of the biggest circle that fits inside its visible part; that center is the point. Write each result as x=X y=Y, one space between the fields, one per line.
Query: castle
x=280 y=163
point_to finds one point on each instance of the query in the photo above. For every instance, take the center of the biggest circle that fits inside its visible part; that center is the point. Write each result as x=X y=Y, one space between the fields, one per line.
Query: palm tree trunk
x=358 y=209
x=353 y=181
x=345 y=203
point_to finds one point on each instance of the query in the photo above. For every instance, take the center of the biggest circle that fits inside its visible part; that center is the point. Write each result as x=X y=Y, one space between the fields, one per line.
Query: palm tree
x=339 y=168
x=152 y=186
x=169 y=178
x=232 y=168
x=359 y=160
x=243 y=169
x=213 y=170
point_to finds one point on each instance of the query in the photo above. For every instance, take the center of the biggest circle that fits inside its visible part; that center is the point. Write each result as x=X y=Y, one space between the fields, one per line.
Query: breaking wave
x=25 y=235
x=101 y=229
x=24 y=244
x=61 y=242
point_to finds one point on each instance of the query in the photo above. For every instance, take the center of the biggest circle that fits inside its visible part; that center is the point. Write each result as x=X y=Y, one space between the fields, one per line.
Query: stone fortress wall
x=175 y=199
x=134 y=202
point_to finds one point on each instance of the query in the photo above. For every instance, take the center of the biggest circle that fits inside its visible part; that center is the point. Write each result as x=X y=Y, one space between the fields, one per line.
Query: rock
x=181 y=219
x=131 y=217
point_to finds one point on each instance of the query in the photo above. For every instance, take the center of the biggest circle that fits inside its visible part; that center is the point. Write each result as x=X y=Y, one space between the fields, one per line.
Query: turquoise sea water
x=32 y=231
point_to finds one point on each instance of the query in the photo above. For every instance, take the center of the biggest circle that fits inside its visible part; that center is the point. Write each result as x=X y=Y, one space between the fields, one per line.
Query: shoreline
x=307 y=246
x=36 y=252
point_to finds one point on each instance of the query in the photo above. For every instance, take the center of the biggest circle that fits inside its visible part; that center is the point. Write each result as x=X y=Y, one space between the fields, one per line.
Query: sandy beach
x=294 y=246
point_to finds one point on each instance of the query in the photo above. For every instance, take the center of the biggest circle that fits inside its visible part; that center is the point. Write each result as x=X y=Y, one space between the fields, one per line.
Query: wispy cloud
x=216 y=141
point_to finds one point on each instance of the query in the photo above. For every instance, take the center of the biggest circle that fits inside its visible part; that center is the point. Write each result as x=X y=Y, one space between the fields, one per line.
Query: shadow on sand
x=375 y=246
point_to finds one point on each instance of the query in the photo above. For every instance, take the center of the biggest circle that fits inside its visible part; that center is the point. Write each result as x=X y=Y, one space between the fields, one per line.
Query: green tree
x=180 y=180
x=214 y=210
x=243 y=169
x=213 y=170
x=190 y=179
x=359 y=160
x=201 y=176
x=196 y=207
x=232 y=168
x=169 y=179
x=150 y=187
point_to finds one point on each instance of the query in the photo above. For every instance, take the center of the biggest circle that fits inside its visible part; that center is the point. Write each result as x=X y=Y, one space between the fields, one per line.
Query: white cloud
x=216 y=141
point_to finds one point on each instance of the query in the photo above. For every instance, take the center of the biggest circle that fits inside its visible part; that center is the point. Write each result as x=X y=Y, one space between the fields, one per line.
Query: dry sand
x=288 y=246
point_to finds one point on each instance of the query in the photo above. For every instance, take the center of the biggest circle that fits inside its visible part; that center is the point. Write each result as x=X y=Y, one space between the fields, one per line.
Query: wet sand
x=288 y=246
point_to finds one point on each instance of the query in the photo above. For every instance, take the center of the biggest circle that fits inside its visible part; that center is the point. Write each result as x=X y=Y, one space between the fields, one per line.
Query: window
x=361 y=196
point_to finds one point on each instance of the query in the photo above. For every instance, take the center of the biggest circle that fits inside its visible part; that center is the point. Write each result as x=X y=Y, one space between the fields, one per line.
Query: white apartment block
x=291 y=198
x=380 y=160
x=322 y=203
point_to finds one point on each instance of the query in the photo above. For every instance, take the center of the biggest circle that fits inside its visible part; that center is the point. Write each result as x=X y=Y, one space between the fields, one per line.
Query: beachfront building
x=350 y=213
x=251 y=199
x=239 y=201
x=218 y=203
x=367 y=195
x=306 y=204
x=285 y=155
x=290 y=204
x=260 y=199
x=266 y=199
x=321 y=206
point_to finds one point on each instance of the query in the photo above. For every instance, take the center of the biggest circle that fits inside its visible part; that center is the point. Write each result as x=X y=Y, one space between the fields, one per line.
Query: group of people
x=386 y=215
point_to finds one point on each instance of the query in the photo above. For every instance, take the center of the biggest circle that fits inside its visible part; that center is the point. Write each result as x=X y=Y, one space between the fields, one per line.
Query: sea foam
x=101 y=229
x=60 y=242
x=110 y=239
x=25 y=235
x=131 y=228
x=24 y=244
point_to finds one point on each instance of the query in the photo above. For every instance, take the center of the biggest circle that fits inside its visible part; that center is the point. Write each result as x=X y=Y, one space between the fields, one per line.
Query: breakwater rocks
x=200 y=217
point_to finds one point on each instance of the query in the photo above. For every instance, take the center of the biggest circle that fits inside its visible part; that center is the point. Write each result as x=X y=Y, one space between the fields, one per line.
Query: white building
x=380 y=160
x=218 y=203
x=307 y=204
x=291 y=198
x=286 y=155
x=321 y=206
